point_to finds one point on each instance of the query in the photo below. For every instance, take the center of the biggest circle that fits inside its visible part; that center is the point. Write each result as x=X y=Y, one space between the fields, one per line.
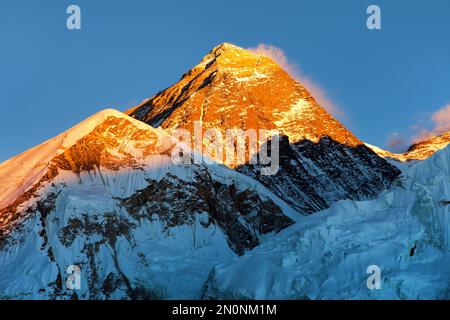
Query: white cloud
x=294 y=70
x=441 y=124
x=397 y=143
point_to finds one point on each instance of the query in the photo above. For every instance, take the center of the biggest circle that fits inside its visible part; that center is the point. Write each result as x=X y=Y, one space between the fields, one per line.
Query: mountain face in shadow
x=312 y=176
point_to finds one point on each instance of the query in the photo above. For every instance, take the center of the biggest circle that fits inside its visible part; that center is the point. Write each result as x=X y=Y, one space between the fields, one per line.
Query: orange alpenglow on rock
x=234 y=88
x=420 y=150
x=318 y=163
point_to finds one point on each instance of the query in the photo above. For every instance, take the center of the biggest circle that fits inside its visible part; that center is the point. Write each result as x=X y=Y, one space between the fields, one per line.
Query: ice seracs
x=405 y=232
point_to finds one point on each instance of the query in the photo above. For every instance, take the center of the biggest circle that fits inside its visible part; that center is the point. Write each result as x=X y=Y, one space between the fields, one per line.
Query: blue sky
x=383 y=81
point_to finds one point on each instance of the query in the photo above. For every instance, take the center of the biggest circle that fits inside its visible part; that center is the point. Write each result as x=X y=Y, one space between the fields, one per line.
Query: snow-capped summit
x=21 y=172
x=320 y=160
x=235 y=88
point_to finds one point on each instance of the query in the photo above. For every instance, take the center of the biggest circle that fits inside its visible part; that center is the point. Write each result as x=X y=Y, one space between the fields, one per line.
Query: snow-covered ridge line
x=21 y=172
x=420 y=150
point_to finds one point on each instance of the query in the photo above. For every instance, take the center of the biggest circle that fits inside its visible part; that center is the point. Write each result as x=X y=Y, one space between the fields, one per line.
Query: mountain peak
x=235 y=88
x=237 y=61
x=226 y=46
x=420 y=150
x=77 y=148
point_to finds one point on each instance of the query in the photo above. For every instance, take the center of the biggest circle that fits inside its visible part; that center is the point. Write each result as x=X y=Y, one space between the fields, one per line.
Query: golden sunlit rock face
x=420 y=150
x=113 y=144
x=320 y=161
x=116 y=143
x=234 y=88
x=423 y=149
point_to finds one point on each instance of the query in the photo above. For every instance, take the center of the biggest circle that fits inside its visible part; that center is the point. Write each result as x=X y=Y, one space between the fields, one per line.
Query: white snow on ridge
x=405 y=231
x=20 y=173
x=294 y=113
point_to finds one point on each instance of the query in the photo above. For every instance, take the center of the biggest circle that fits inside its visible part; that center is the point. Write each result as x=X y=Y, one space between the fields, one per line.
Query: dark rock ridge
x=312 y=176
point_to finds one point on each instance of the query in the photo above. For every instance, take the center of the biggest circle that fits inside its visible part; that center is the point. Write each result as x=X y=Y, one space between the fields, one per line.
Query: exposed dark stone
x=413 y=250
x=177 y=202
x=89 y=225
x=111 y=283
x=444 y=202
x=312 y=176
x=44 y=207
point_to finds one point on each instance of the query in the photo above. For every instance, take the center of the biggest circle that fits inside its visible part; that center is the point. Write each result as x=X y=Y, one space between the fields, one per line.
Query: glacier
x=405 y=232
